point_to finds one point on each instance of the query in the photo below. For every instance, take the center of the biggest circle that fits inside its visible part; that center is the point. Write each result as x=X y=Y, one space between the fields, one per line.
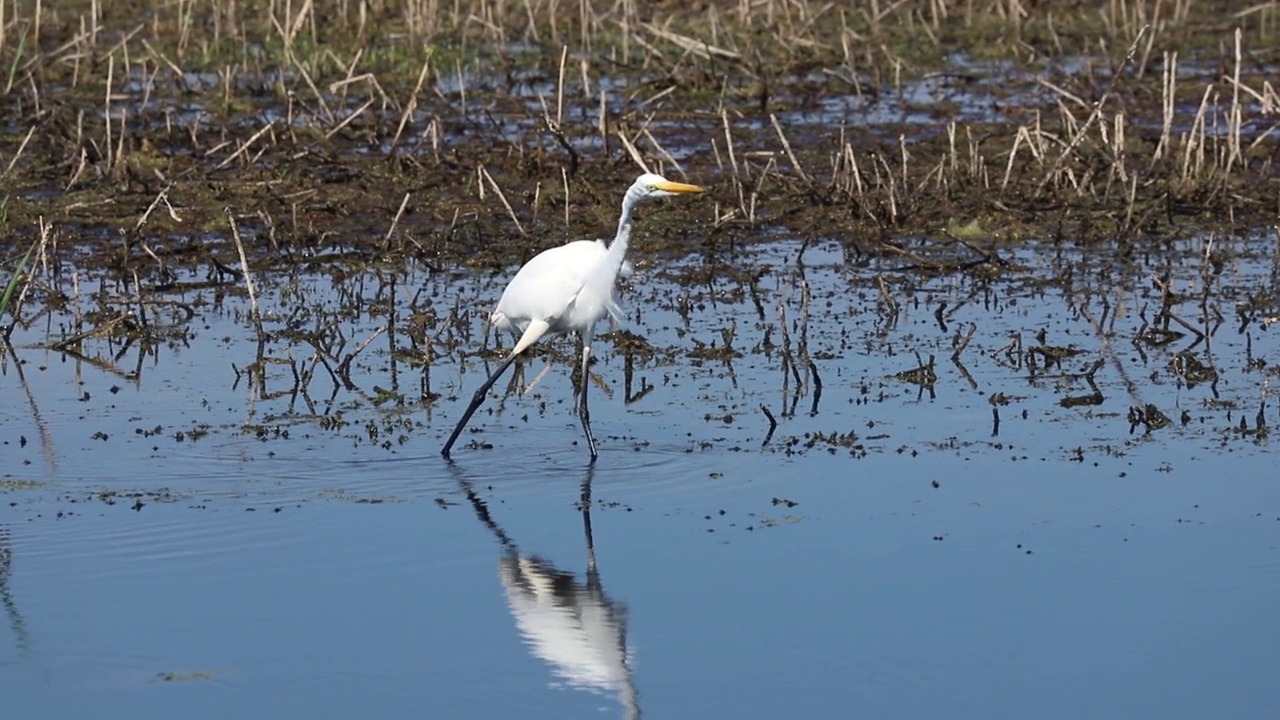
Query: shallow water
x=181 y=541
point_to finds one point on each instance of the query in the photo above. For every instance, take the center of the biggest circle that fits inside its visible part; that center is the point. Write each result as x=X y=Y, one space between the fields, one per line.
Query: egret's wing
x=549 y=285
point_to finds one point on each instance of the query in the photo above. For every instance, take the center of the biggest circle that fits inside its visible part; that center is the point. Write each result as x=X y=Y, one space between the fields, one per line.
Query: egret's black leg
x=586 y=525
x=583 y=412
x=475 y=402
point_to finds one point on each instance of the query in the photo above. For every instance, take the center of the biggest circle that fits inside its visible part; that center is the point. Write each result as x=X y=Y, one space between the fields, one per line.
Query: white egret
x=568 y=288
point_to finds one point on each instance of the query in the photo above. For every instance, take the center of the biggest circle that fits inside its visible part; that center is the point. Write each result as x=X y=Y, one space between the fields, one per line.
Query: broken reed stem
x=396 y=220
x=1235 y=119
x=462 y=86
x=553 y=126
x=564 y=177
x=786 y=145
x=663 y=151
x=728 y=142
x=1168 y=85
x=23 y=146
x=111 y=69
x=162 y=197
x=248 y=143
x=631 y=150
x=412 y=104
x=564 y=55
x=244 y=266
x=350 y=118
x=484 y=174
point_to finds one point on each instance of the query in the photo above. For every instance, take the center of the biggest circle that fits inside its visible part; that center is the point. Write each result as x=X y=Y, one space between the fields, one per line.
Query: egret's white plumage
x=569 y=288
x=556 y=286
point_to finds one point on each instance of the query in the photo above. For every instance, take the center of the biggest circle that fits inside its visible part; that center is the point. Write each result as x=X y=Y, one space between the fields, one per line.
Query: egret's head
x=653 y=186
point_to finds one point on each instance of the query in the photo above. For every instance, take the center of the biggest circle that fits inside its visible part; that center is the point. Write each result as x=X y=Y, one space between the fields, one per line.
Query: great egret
x=568 y=288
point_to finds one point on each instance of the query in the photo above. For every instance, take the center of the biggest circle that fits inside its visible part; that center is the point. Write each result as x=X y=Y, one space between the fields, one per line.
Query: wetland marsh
x=952 y=395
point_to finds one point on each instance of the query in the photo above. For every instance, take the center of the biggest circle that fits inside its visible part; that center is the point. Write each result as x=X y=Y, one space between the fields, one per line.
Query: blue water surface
x=276 y=563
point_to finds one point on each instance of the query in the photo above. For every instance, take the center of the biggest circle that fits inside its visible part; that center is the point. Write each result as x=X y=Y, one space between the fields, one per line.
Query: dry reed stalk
x=564 y=55
x=748 y=203
x=161 y=197
x=1063 y=92
x=1095 y=114
x=1133 y=198
x=485 y=176
x=1167 y=96
x=1116 y=143
x=554 y=126
x=350 y=118
x=564 y=178
x=369 y=78
x=396 y=220
x=18 y=154
x=111 y=69
x=241 y=150
x=1235 y=119
x=635 y=154
x=412 y=104
x=531 y=29
x=244 y=265
x=1193 y=146
x=728 y=142
x=432 y=133
x=15 y=307
x=692 y=46
x=786 y=145
x=902 y=146
x=462 y=86
x=118 y=167
x=315 y=91
x=1023 y=136
x=602 y=123
x=662 y=151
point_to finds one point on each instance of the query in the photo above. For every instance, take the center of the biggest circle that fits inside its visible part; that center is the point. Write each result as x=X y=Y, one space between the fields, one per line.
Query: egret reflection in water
x=569 y=623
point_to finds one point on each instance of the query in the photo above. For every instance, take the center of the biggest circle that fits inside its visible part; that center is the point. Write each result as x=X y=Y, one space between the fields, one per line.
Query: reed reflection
x=16 y=622
x=566 y=621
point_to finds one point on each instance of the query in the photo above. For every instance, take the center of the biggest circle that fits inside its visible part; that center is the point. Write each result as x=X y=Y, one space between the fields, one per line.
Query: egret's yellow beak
x=675 y=187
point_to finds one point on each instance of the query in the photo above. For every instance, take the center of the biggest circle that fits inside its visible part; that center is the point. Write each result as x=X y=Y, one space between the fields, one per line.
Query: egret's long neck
x=618 y=248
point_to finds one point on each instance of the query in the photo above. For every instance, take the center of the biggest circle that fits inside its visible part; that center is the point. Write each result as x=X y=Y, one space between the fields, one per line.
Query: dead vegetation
x=451 y=131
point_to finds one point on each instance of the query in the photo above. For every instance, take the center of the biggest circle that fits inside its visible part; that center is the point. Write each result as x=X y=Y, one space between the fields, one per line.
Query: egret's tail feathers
x=615 y=312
